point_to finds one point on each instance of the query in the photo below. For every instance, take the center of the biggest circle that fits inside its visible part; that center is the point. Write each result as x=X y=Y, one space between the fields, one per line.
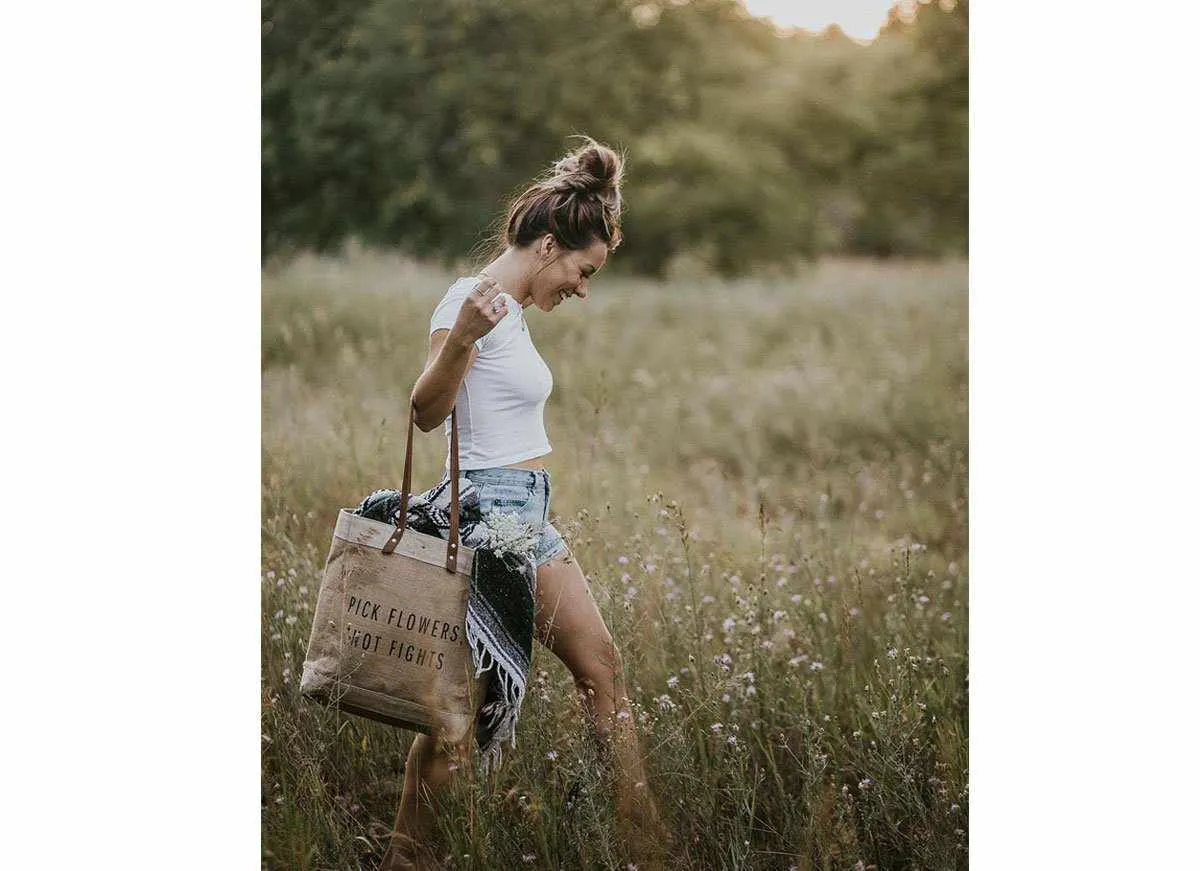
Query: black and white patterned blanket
x=499 y=605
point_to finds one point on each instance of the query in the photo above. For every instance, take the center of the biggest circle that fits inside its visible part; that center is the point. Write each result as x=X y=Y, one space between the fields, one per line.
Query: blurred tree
x=407 y=123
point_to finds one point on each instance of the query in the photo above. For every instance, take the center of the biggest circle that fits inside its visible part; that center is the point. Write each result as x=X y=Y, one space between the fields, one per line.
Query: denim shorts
x=527 y=492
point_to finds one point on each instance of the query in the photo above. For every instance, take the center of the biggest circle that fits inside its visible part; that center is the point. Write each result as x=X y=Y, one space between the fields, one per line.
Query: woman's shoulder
x=462 y=286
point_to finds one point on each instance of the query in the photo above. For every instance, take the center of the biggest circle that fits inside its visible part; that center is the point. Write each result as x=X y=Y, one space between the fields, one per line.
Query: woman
x=558 y=234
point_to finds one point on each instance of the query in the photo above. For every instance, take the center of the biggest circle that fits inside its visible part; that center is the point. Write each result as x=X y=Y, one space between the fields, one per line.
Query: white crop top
x=503 y=395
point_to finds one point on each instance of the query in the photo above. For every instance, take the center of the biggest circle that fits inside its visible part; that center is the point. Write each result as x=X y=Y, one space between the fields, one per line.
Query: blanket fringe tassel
x=500 y=718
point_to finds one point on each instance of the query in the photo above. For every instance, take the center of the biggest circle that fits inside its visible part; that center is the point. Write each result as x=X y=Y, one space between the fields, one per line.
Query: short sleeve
x=447 y=310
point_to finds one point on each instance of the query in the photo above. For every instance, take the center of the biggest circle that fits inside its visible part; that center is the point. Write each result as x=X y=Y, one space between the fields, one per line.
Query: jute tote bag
x=389 y=640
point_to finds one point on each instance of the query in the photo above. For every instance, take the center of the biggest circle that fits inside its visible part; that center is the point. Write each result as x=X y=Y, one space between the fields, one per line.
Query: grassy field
x=766 y=484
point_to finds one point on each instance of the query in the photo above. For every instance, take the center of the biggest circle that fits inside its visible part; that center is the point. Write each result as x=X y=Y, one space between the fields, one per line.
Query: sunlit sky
x=860 y=19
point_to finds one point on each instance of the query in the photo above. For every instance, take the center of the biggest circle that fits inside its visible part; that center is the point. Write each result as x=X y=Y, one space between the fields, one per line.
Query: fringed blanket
x=499 y=604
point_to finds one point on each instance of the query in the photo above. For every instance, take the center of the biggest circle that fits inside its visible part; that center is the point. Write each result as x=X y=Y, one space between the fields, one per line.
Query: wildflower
x=728 y=624
x=797 y=599
x=291 y=620
x=271 y=575
x=649 y=567
x=924 y=600
x=665 y=703
x=892 y=653
x=778 y=615
x=707 y=600
x=716 y=728
x=552 y=755
x=732 y=740
x=831 y=580
x=816 y=665
x=854 y=612
x=672 y=682
x=945 y=616
x=279 y=614
x=623 y=560
x=291 y=573
x=751 y=691
x=864 y=783
x=748 y=677
x=725 y=698
x=953 y=808
x=623 y=715
x=724 y=660
x=528 y=858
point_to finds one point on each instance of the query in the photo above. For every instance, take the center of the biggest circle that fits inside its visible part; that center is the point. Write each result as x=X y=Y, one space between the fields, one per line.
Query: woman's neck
x=511 y=271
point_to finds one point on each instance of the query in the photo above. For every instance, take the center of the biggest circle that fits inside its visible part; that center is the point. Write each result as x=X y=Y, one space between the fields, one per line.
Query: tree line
x=407 y=123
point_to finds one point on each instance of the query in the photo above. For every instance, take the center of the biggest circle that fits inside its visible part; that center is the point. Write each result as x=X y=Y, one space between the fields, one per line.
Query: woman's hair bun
x=592 y=169
x=577 y=201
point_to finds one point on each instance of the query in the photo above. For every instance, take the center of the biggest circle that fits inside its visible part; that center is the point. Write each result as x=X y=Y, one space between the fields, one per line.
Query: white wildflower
x=506 y=534
x=672 y=682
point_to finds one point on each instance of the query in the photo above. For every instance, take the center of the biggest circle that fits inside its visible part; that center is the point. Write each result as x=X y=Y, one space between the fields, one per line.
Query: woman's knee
x=601 y=668
x=436 y=758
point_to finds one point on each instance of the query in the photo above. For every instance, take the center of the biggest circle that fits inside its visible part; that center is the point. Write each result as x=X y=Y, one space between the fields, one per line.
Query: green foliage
x=407 y=123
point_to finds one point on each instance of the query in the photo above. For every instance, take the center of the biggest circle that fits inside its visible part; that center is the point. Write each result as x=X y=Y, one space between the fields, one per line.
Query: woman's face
x=565 y=273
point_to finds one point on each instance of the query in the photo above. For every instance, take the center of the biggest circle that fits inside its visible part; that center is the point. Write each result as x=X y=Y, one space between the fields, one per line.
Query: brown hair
x=577 y=201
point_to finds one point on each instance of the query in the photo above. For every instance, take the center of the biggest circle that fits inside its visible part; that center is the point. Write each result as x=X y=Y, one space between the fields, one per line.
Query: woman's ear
x=547 y=246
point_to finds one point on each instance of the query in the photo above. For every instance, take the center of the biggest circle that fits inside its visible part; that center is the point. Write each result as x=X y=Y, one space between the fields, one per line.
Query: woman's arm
x=451 y=354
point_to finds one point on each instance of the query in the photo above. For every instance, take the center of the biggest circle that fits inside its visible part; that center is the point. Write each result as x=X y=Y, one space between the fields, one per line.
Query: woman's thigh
x=568 y=621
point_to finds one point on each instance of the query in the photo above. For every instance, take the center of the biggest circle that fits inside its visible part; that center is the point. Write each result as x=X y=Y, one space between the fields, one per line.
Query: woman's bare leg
x=569 y=623
x=431 y=763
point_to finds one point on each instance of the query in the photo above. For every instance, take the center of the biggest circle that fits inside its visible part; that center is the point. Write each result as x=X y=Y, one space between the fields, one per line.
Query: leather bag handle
x=451 y=545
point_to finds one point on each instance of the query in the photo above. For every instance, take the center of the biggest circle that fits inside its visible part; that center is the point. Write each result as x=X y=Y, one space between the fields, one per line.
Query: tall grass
x=766 y=484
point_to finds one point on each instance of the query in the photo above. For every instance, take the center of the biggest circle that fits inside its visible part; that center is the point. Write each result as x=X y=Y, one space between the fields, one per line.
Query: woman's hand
x=481 y=311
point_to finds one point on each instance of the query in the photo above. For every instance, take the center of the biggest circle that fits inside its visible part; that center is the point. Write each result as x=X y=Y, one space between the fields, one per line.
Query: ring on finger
x=495 y=306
